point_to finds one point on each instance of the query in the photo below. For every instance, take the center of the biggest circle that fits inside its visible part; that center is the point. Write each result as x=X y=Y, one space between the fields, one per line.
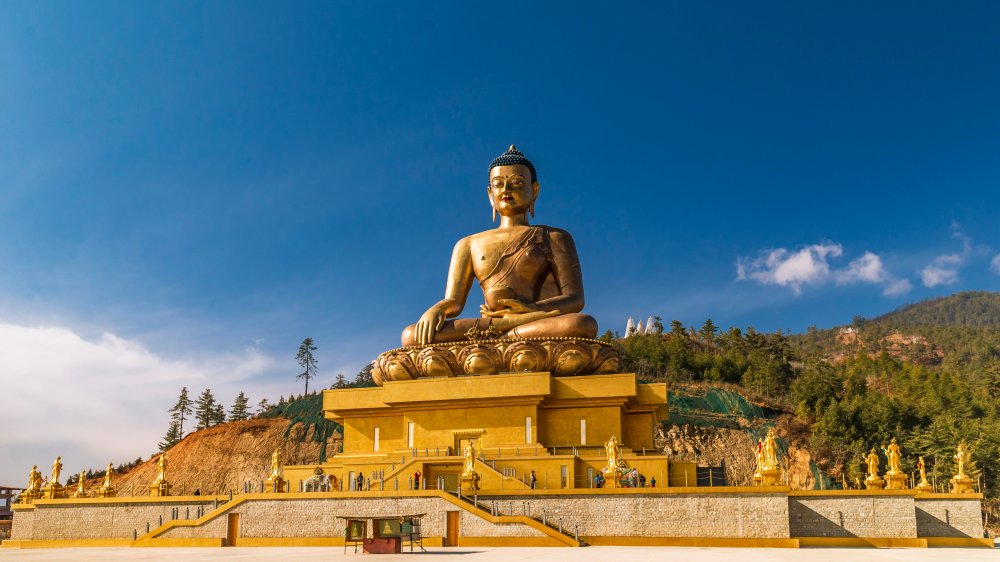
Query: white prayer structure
x=633 y=328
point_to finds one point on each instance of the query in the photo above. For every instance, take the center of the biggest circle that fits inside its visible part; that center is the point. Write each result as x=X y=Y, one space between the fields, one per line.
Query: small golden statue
x=873 y=482
x=470 y=478
x=894 y=476
x=34 y=489
x=56 y=471
x=613 y=470
x=961 y=483
x=767 y=473
x=81 y=487
x=107 y=490
x=533 y=292
x=923 y=485
x=53 y=489
x=276 y=480
x=160 y=486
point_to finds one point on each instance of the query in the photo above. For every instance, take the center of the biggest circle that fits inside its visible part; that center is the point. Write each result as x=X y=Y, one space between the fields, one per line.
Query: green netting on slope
x=715 y=407
x=822 y=479
x=307 y=410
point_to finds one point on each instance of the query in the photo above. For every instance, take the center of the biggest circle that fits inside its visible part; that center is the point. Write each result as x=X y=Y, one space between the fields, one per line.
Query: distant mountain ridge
x=970 y=308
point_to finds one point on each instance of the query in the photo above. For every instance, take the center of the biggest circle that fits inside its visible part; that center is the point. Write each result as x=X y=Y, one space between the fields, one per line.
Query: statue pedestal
x=770 y=477
x=160 y=489
x=105 y=492
x=29 y=496
x=874 y=483
x=470 y=482
x=895 y=481
x=274 y=484
x=558 y=356
x=924 y=487
x=612 y=477
x=54 y=492
x=961 y=485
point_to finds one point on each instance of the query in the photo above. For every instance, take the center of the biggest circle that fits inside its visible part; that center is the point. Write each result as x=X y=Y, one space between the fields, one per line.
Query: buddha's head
x=513 y=186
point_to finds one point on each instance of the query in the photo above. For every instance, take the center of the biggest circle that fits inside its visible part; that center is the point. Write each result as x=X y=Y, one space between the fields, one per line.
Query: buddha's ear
x=489 y=195
x=534 y=197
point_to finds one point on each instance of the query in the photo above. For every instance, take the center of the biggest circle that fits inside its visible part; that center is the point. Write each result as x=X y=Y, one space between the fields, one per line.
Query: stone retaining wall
x=735 y=515
x=743 y=514
x=948 y=517
x=852 y=516
x=96 y=519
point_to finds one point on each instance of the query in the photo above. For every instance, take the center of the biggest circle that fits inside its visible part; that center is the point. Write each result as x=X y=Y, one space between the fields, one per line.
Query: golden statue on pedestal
x=81 y=487
x=470 y=478
x=873 y=482
x=961 y=483
x=613 y=470
x=34 y=489
x=767 y=473
x=894 y=475
x=923 y=485
x=533 y=291
x=276 y=480
x=53 y=489
x=160 y=486
x=107 y=490
x=56 y=471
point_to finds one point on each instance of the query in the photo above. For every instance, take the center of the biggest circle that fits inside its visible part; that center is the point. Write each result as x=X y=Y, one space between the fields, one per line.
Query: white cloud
x=934 y=275
x=101 y=400
x=897 y=287
x=943 y=270
x=867 y=269
x=790 y=269
x=995 y=264
x=810 y=265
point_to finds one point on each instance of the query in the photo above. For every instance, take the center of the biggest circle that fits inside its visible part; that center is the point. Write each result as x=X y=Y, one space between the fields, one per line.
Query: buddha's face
x=511 y=191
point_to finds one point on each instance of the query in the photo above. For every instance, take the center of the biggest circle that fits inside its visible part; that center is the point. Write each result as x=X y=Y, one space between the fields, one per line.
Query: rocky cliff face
x=223 y=457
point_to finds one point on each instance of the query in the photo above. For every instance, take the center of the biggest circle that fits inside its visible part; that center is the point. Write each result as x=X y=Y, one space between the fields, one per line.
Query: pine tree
x=341 y=381
x=239 y=410
x=364 y=378
x=307 y=361
x=172 y=437
x=181 y=411
x=204 y=409
x=218 y=414
x=263 y=406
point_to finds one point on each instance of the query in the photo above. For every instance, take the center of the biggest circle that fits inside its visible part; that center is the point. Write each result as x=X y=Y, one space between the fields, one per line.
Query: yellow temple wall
x=560 y=427
x=637 y=432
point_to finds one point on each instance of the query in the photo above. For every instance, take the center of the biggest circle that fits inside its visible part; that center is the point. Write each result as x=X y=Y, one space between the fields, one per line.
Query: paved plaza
x=593 y=553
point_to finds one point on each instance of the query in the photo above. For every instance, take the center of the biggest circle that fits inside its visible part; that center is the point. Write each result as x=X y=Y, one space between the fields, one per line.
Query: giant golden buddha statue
x=532 y=285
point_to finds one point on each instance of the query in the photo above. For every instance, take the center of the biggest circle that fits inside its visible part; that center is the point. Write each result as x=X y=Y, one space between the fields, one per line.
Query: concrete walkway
x=593 y=553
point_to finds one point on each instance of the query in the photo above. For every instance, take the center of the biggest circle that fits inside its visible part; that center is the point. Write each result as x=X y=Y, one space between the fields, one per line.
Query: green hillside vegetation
x=854 y=395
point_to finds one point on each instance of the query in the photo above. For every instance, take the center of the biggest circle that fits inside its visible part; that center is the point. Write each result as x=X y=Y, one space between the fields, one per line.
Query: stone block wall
x=735 y=515
x=873 y=516
x=948 y=518
x=97 y=519
x=322 y=517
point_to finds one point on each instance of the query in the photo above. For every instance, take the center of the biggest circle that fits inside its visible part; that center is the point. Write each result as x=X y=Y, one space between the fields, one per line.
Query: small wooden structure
x=388 y=533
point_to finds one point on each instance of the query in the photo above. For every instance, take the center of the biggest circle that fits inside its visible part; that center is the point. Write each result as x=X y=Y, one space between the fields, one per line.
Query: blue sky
x=188 y=189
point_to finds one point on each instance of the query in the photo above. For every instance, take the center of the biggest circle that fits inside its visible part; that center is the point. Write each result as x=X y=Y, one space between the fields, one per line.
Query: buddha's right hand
x=429 y=324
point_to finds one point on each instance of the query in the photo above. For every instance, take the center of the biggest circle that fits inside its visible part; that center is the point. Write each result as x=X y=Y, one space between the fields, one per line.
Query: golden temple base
x=557 y=356
x=874 y=483
x=53 y=492
x=895 y=481
x=161 y=489
x=470 y=482
x=274 y=485
x=770 y=477
x=961 y=485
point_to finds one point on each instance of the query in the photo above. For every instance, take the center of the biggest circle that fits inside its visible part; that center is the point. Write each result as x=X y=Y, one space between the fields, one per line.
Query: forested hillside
x=927 y=374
